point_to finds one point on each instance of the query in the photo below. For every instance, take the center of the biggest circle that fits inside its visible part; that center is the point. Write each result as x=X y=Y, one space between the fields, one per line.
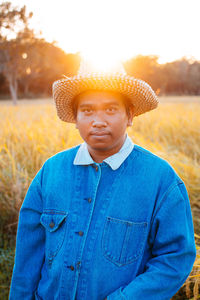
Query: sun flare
x=102 y=62
x=122 y=28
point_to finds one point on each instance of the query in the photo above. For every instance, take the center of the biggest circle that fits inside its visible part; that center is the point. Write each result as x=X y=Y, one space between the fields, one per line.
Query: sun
x=101 y=33
x=100 y=61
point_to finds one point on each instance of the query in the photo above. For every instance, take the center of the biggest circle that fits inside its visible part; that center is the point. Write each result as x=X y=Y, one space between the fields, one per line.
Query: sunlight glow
x=24 y=55
x=102 y=61
x=28 y=71
x=120 y=28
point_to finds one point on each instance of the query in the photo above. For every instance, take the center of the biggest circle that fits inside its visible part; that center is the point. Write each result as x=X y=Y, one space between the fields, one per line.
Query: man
x=106 y=219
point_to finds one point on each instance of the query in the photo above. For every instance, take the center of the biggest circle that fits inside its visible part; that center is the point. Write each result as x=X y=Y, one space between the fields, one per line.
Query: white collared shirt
x=83 y=156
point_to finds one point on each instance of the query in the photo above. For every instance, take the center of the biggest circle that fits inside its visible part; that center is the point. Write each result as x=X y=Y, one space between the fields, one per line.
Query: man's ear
x=130 y=116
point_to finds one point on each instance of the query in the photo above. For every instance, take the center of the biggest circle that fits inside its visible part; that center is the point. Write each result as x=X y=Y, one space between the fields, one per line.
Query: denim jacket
x=87 y=232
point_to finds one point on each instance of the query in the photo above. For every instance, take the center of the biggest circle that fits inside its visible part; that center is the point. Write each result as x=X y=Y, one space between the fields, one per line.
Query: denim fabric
x=83 y=156
x=90 y=232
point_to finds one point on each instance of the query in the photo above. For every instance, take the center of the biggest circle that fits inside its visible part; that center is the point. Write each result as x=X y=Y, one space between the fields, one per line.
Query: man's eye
x=87 y=110
x=111 y=109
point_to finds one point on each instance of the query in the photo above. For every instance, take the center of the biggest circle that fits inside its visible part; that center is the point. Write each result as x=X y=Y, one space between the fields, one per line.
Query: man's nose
x=99 y=121
x=99 y=124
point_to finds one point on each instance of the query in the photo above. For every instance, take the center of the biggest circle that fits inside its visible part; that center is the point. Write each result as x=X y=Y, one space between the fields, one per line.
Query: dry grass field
x=31 y=132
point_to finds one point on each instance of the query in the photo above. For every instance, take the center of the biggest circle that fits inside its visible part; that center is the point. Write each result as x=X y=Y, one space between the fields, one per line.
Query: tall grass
x=31 y=133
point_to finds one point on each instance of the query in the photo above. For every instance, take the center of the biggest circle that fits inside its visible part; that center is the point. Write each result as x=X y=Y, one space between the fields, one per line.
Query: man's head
x=102 y=118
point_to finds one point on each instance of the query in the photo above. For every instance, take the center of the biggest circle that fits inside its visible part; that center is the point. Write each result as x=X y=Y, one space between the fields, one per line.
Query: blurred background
x=40 y=41
x=156 y=40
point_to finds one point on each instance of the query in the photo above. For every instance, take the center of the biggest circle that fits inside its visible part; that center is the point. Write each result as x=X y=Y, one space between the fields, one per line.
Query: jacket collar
x=114 y=161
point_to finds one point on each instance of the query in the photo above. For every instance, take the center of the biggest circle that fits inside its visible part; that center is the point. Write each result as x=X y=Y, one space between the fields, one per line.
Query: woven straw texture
x=138 y=91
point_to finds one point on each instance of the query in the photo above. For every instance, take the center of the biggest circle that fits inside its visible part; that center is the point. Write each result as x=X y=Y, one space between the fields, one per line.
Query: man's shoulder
x=148 y=155
x=64 y=155
x=154 y=163
x=57 y=164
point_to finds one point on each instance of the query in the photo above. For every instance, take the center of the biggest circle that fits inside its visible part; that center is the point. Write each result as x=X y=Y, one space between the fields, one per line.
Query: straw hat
x=138 y=91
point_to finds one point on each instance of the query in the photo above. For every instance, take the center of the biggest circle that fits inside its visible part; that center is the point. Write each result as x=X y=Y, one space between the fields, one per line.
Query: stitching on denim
x=171 y=188
x=54 y=212
x=146 y=152
x=123 y=243
x=182 y=191
x=123 y=297
x=114 y=259
x=129 y=223
x=51 y=254
x=60 y=245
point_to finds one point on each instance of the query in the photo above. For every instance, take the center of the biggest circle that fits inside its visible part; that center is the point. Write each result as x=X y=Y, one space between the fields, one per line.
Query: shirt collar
x=114 y=161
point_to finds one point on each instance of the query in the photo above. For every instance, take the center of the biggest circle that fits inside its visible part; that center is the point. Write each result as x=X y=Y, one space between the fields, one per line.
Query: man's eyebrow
x=105 y=104
x=112 y=103
x=86 y=104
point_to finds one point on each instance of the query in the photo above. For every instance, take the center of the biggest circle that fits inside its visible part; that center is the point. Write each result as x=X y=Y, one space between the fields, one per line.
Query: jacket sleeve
x=29 y=253
x=173 y=250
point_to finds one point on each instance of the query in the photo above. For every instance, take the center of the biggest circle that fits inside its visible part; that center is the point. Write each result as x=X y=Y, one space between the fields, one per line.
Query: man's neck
x=99 y=155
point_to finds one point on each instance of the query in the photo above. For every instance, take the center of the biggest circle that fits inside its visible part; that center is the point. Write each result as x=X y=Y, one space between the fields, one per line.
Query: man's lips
x=99 y=133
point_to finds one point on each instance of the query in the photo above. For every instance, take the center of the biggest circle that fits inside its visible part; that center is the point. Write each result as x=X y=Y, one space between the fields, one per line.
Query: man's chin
x=100 y=146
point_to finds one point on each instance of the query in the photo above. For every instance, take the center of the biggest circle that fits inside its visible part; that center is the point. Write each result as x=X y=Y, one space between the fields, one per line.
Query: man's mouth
x=99 y=133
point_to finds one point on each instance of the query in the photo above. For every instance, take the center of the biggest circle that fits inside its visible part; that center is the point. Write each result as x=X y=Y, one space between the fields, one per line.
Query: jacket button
x=88 y=199
x=96 y=168
x=71 y=267
x=51 y=225
x=80 y=233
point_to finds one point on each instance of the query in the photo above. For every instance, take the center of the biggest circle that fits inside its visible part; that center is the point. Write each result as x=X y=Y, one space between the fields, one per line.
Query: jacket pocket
x=55 y=226
x=123 y=241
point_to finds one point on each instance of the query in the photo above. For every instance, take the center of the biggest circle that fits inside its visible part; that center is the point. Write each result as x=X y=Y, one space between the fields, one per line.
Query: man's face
x=102 y=120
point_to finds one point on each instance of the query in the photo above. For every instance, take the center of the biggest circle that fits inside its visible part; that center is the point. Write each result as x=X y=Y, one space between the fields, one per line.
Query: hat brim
x=140 y=94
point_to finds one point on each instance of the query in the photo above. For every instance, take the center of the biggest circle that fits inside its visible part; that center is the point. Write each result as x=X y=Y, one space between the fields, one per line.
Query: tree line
x=29 y=64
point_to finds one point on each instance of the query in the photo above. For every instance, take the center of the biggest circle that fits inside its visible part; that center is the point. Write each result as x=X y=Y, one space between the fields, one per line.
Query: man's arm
x=29 y=254
x=173 y=251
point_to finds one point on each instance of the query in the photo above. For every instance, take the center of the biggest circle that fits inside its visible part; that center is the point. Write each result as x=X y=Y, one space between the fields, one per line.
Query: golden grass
x=31 y=132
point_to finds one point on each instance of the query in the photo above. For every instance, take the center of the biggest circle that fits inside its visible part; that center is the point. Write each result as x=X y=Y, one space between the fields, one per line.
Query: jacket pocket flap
x=52 y=220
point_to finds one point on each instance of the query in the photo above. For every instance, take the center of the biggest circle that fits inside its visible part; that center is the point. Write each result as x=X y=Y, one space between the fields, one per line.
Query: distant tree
x=145 y=68
x=194 y=78
x=12 y=20
x=45 y=62
x=13 y=28
x=176 y=77
x=27 y=61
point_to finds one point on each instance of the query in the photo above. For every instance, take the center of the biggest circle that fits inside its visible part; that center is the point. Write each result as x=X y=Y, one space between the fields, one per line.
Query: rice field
x=31 y=132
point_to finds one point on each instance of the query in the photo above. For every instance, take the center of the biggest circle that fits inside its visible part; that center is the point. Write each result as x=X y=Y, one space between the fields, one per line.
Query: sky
x=120 y=29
